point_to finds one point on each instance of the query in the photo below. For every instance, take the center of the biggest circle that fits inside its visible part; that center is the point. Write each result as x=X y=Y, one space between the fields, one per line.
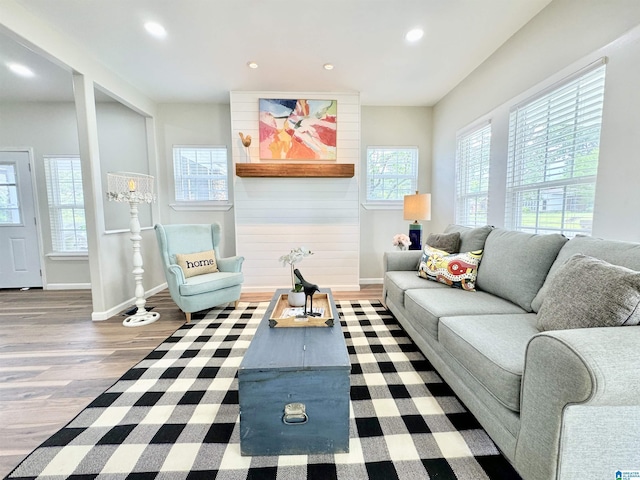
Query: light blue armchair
x=199 y=292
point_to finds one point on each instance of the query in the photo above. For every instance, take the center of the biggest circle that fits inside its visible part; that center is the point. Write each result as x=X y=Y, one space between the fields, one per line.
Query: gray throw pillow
x=448 y=242
x=588 y=292
x=471 y=239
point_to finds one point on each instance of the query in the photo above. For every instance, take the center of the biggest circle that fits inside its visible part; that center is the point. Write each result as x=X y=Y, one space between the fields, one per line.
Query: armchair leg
x=235 y=305
x=188 y=315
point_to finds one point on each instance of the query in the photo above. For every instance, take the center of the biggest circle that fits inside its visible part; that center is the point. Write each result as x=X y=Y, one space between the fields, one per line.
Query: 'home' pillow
x=197 y=263
x=458 y=270
x=588 y=292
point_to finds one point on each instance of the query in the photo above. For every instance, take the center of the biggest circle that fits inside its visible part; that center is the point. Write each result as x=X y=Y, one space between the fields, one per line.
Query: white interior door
x=20 y=255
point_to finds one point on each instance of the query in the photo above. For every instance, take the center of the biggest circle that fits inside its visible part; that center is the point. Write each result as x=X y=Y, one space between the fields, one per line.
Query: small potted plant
x=296 y=255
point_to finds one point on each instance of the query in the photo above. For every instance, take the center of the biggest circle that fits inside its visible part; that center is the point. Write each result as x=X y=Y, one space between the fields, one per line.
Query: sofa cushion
x=515 y=264
x=491 y=348
x=625 y=254
x=471 y=239
x=457 y=270
x=427 y=306
x=448 y=242
x=209 y=282
x=397 y=282
x=587 y=292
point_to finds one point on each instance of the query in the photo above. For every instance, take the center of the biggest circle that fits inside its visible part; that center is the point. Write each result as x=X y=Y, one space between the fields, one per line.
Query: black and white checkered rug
x=175 y=414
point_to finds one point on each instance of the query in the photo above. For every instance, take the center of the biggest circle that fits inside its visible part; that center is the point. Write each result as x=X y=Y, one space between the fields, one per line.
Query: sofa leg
x=188 y=315
x=235 y=304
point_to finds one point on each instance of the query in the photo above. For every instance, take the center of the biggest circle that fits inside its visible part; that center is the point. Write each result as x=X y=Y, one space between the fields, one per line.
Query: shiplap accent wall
x=274 y=215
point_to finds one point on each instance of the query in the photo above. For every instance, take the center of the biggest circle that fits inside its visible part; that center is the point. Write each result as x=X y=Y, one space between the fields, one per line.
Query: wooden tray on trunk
x=284 y=315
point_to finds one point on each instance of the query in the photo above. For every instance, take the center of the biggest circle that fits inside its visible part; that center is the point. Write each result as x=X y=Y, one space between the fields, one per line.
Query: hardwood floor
x=54 y=360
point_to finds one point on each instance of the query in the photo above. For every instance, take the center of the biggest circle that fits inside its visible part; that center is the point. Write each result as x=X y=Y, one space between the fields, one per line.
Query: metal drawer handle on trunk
x=295 y=414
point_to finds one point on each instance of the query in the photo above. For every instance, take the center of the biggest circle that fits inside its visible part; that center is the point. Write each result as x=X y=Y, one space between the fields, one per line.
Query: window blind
x=392 y=173
x=63 y=176
x=472 y=176
x=200 y=173
x=554 y=145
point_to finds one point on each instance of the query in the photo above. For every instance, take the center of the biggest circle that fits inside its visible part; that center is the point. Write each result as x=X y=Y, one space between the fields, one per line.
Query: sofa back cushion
x=515 y=264
x=471 y=239
x=624 y=254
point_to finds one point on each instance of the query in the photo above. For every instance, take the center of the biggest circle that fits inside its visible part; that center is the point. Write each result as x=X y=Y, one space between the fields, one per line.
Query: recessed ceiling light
x=155 y=29
x=21 y=70
x=414 y=35
x=252 y=65
x=328 y=66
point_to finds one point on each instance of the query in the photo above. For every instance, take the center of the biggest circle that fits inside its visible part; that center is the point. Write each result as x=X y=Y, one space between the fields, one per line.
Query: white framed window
x=200 y=173
x=9 y=201
x=472 y=176
x=554 y=141
x=63 y=177
x=392 y=173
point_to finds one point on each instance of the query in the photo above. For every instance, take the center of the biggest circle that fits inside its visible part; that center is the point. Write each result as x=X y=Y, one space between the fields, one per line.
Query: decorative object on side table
x=401 y=241
x=134 y=188
x=417 y=207
x=296 y=296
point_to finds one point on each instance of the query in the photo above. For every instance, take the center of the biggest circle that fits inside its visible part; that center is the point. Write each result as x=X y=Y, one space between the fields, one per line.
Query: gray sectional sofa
x=561 y=403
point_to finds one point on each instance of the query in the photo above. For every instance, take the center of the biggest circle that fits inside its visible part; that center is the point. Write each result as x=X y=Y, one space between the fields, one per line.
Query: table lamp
x=417 y=207
x=134 y=188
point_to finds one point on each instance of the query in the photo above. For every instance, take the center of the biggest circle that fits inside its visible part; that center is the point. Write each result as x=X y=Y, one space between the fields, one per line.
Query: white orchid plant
x=401 y=241
x=296 y=255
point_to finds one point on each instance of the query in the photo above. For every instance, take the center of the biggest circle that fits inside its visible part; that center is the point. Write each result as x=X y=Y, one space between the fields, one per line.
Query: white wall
x=123 y=148
x=47 y=129
x=274 y=215
x=565 y=36
x=193 y=124
x=108 y=294
x=50 y=128
x=390 y=126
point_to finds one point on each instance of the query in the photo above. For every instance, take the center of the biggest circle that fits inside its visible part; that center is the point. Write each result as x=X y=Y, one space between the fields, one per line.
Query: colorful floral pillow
x=456 y=270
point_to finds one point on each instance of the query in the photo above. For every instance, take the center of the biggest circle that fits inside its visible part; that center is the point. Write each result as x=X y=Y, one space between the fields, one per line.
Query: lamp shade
x=417 y=207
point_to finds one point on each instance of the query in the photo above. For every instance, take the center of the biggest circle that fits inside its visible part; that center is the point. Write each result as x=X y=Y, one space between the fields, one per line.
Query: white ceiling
x=209 y=43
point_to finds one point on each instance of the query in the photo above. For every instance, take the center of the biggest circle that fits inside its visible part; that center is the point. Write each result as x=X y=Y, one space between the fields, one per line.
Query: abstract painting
x=298 y=129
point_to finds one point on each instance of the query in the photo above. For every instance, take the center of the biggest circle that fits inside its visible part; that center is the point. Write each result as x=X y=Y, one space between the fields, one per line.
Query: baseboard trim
x=100 y=316
x=68 y=286
x=271 y=289
x=371 y=281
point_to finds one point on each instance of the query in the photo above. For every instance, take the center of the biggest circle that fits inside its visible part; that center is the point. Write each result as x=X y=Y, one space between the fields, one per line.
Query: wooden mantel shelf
x=332 y=170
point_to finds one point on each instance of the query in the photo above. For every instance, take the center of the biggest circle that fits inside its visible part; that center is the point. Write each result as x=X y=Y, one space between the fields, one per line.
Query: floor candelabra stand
x=134 y=188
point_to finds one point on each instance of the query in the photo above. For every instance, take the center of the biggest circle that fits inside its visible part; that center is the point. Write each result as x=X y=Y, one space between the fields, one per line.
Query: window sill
x=382 y=206
x=66 y=256
x=200 y=207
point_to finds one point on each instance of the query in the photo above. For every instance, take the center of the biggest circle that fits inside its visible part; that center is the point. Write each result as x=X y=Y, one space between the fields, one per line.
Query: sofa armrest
x=230 y=264
x=579 y=380
x=401 y=260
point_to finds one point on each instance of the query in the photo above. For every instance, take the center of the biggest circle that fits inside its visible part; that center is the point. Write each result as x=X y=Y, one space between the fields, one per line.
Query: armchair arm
x=230 y=264
x=401 y=260
x=575 y=382
x=176 y=275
